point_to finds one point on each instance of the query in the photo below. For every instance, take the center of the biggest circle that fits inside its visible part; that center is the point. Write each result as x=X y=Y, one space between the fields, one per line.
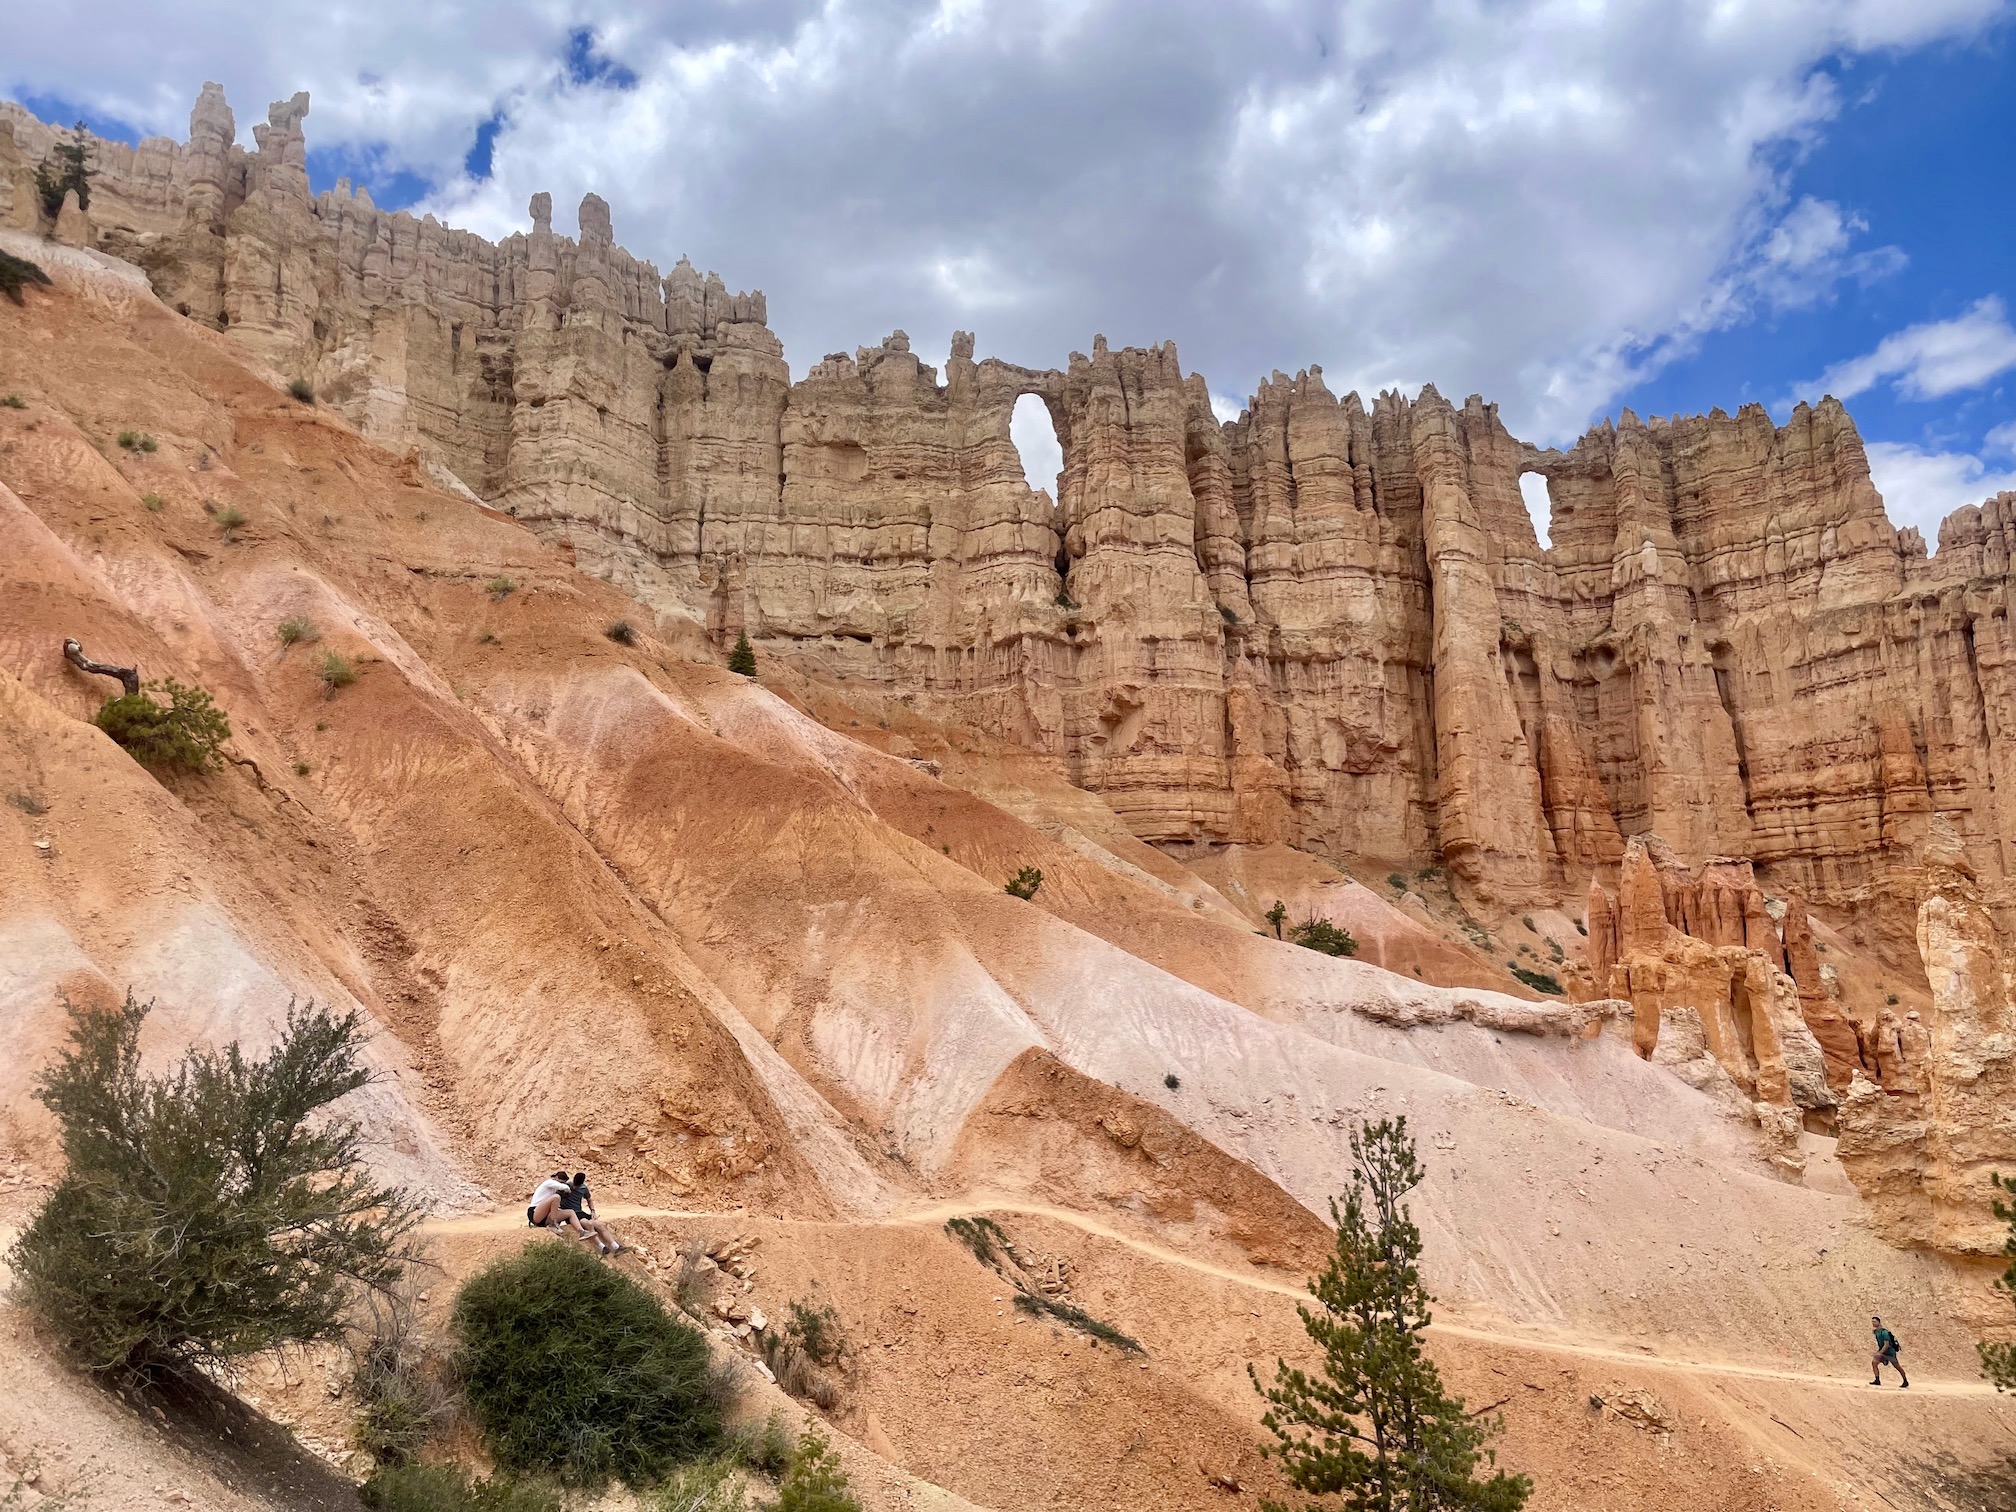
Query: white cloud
x=1921 y=488
x=2002 y=438
x=1931 y=360
x=1541 y=200
x=1035 y=437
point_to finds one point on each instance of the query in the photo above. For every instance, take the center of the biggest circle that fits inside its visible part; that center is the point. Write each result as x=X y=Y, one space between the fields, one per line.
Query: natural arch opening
x=1539 y=504
x=1034 y=435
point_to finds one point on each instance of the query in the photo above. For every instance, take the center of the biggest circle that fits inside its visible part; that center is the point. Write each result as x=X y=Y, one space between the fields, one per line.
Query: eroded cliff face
x=1323 y=622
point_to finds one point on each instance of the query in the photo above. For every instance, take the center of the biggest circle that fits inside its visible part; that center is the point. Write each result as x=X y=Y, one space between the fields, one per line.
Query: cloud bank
x=1541 y=200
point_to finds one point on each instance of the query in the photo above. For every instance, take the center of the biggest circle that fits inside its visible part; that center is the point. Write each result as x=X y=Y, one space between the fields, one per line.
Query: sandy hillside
x=741 y=951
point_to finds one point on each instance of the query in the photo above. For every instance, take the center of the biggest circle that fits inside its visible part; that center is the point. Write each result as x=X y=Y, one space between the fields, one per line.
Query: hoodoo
x=1664 y=869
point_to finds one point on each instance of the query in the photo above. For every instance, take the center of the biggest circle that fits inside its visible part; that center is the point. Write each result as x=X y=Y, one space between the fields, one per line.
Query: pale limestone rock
x=73 y=225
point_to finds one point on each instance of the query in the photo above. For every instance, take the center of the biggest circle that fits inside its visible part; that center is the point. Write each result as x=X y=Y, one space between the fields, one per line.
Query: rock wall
x=1323 y=622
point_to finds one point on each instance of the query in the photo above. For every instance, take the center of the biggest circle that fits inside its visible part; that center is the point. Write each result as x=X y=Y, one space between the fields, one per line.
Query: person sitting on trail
x=577 y=1200
x=546 y=1210
x=1886 y=1354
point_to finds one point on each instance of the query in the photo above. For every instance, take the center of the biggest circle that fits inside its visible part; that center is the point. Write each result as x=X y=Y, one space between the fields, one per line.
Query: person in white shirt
x=546 y=1210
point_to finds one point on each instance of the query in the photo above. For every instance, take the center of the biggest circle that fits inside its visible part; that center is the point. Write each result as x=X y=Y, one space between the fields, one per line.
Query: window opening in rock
x=1035 y=438
x=1539 y=504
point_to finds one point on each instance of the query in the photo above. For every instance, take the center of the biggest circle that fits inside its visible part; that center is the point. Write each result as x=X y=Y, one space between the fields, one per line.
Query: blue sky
x=1567 y=205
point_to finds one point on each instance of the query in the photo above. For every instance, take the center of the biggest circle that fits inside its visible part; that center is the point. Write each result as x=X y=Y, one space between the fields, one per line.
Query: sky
x=1569 y=206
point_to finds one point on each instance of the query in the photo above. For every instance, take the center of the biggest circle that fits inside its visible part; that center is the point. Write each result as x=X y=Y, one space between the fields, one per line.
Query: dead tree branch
x=129 y=677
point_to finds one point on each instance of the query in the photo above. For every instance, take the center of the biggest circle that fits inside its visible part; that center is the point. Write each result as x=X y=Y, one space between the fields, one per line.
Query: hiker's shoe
x=618 y=1249
x=1877 y=1382
x=1905 y=1387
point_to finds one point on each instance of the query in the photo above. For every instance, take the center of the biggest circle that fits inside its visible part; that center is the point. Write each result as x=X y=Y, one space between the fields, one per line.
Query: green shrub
x=573 y=1369
x=1037 y=1305
x=501 y=588
x=764 y=1447
x=817 y=1331
x=335 y=672
x=815 y=1482
x=1891 y=1000
x=187 y=730
x=132 y=440
x=302 y=390
x=67 y=167
x=297 y=630
x=1230 y=616
x=622 y=632
x=1397 y=882
x=978 y=1235
x=212 y=1212
x=1581 y=928
x=301 y=769
x=1024 y=883
x=1321 y=935
x=1527 y=920
x=448 y=1488
x=742 y=660
x=1276 y=915
x=397 y=1376
x=12 y=401
x=153 y=502
x=230 y=519
x=29 y=804
x=709 y=1485
x=1539 y=981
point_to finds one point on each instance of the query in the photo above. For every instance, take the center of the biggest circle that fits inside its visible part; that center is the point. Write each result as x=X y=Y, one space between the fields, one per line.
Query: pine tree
x=1998 y=1361
x=67 y=167
x=743 y=658
x=1376 y=1431
x=1276 y=914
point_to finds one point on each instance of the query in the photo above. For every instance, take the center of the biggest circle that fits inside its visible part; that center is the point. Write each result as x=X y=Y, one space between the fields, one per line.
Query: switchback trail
x=934 y=1214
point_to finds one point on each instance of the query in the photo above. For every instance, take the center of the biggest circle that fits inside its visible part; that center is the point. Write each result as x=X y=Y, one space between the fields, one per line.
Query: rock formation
x=1321 y=622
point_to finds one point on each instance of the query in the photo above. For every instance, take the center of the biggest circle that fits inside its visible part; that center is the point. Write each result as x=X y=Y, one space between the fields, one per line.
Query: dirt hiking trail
x=938 y=1213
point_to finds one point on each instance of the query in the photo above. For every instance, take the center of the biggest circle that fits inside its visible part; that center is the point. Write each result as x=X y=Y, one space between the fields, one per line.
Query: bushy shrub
x=979 y=1235
x=212 y=1212
x=816 y=1330
x=709 y=1485
x=140 y=441
x=815 y=1482
x=1539 y=981
x=397 y=1376
x=16 y=273
x=501 y=587
x=231 y=519
x=12 y=401
x=167 y=725
x=1276 y=915
x=153 y=503
x=742 y=660
x=1397 y=882
x=764 y=1447
x=335 y=672
x=1322 y=935
x=572 y=1369
x=1024 y=883
x=449 y=1488
x=622 y=632
x=297 y=630
x=302 y=390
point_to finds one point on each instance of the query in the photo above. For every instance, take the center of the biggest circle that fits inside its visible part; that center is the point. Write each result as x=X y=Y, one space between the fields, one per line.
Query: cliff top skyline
x=1707 y=206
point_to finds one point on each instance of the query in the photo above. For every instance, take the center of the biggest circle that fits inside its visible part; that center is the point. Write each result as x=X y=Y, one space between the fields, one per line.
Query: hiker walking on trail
x=576 y=1200
x=1886 y=1354
x=547 y=1210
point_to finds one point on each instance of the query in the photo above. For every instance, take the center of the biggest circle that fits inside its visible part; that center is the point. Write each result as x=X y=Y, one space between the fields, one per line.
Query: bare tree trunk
x=129 y=677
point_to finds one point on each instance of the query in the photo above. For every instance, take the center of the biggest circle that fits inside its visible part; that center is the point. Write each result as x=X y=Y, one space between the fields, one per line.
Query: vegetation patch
x=66 y=168
x=622 y=632
x=1024 y=883
x=450 y=1488
x=29 y=804
x=1040 y=1306
x=211 y=1212
x=335 y=671
x=571 y=1369
x=815 y=1482
x=1539 y=981
x=302 y=391
x=231 y=519
x=1321 y=935
x=137 y=441
x=500 y=588
x=297 y=630
x=742 y=660
x=980 y=1235
x=167 y=725
x=16 y=273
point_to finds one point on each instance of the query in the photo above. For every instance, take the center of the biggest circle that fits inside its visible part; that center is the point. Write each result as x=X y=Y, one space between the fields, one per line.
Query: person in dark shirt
x=1886 y=1354
x=578 y=1201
